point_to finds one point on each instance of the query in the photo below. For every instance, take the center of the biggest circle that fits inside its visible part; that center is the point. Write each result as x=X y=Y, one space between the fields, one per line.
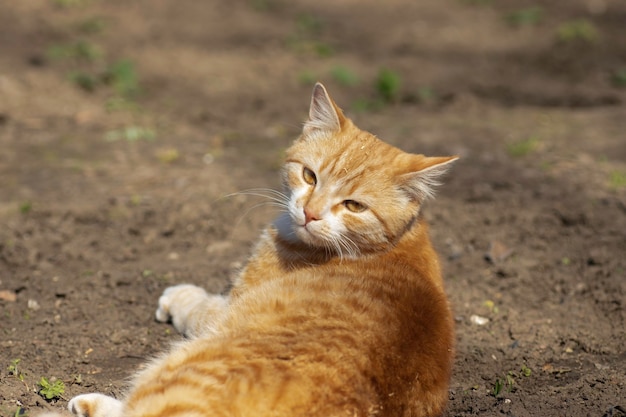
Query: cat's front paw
x=191 y=309
x=95 y=405
x=175 y=299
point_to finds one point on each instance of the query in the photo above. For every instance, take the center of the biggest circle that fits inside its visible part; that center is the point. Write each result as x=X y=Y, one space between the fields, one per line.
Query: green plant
x=523 y=147
x=363 y=105
x=529 y=16
x=618 y=179
x=91 y=26
x=25 y=208
x=81 y=50
x=307 y=77
x=426 y=94
x=618 y=78
x=20 y=412
x=577 y=30
x=168 y=155
x=477 y=2
x=507 y=382
x=131 y=134
x=491 y=306
x=526 y=371
x=14 y=369
x=71 y=3
x=84 y=80
x=262 y=5
x=123 y=77
x=344 y=76
x=305 y=39
x=51 y=390
x=497 y=387
x=388 y=84
x=323 y=50
x=122 y=104
x=307 y=23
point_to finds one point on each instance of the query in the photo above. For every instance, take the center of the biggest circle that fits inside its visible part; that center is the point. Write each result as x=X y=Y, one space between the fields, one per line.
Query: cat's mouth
x=304 y=232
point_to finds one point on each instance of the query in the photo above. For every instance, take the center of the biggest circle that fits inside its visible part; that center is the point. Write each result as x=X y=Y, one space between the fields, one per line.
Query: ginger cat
x=341 y=310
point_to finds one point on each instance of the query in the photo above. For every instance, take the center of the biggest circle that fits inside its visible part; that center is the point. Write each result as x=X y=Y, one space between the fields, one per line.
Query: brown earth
x=108 y=196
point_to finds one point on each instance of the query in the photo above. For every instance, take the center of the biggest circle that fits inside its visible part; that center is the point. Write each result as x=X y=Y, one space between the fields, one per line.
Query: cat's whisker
x=280 y=205
x=336 y=246
x=268 y=193
x=275 y=199
x=350 y=246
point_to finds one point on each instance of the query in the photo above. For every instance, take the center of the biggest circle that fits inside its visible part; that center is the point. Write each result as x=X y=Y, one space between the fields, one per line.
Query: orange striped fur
x=341 y=310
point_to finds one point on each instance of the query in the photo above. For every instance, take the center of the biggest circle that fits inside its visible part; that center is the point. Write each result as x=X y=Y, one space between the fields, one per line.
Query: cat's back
x=381 y=321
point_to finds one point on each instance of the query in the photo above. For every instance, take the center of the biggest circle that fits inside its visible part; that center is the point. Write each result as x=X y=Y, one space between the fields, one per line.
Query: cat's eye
x=309 y=176
x=354 y=206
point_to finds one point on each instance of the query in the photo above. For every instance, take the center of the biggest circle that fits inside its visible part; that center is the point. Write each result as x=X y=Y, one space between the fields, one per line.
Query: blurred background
x=126 y=126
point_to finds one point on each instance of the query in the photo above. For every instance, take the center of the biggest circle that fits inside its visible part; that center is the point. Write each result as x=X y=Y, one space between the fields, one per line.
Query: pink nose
x=310 y=216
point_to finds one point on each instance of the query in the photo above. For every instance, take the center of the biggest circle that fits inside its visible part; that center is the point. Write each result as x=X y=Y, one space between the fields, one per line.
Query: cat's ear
x=424 y=175
x=324 y=115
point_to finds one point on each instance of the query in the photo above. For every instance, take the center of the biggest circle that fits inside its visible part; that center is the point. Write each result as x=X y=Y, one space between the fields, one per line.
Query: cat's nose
x=310 y=216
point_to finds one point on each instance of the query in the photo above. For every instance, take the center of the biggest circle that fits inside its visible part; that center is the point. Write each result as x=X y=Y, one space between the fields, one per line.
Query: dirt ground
x=125 y=126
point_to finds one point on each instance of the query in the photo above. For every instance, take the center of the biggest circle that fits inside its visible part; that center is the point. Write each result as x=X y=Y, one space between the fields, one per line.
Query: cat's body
x=340 y=311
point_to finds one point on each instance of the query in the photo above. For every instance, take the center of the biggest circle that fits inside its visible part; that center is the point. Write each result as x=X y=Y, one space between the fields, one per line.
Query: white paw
x=176 y=301
x=95 y=405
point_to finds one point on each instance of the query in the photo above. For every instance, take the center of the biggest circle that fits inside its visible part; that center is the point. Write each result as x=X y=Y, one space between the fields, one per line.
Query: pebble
x=478 y=320
x=8 y=295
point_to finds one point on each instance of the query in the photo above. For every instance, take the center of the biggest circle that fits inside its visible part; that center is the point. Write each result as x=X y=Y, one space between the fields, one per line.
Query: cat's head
x=349 y=192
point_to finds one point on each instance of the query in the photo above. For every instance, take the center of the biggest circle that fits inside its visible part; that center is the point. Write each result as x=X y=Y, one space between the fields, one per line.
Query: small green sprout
x=497 y=387
x=307 y=77
x=526 y=371
x=71 y=3
x=505 y=383
x=426 y=94
x=123 y=77
x=81 y=50
x=345 y=76
x=84 y=80
x=14 y=369
x=618 y=179
x=51 y=390
x=577 y=30
x=92 y=25
x=523 y=147
x=26 y=207
x=131 y=134
x=20 y=412
x=529 y=16
x=388 y=84
x=309 y=24
x=618 y=78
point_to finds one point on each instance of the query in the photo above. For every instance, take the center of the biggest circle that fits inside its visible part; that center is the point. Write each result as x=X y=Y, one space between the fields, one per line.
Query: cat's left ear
x=324 y=115
x=424 y=175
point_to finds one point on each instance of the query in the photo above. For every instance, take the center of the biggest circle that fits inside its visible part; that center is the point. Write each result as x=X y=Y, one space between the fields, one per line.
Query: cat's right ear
x=324 y=115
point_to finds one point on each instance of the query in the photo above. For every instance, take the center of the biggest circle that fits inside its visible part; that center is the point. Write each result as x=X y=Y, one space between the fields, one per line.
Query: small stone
x=33 y=305
x=8 y=295
x=478 y=320
x=497 y=252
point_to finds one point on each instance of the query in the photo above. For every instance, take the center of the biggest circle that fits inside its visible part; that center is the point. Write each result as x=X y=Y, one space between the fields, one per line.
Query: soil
x=112 y=189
